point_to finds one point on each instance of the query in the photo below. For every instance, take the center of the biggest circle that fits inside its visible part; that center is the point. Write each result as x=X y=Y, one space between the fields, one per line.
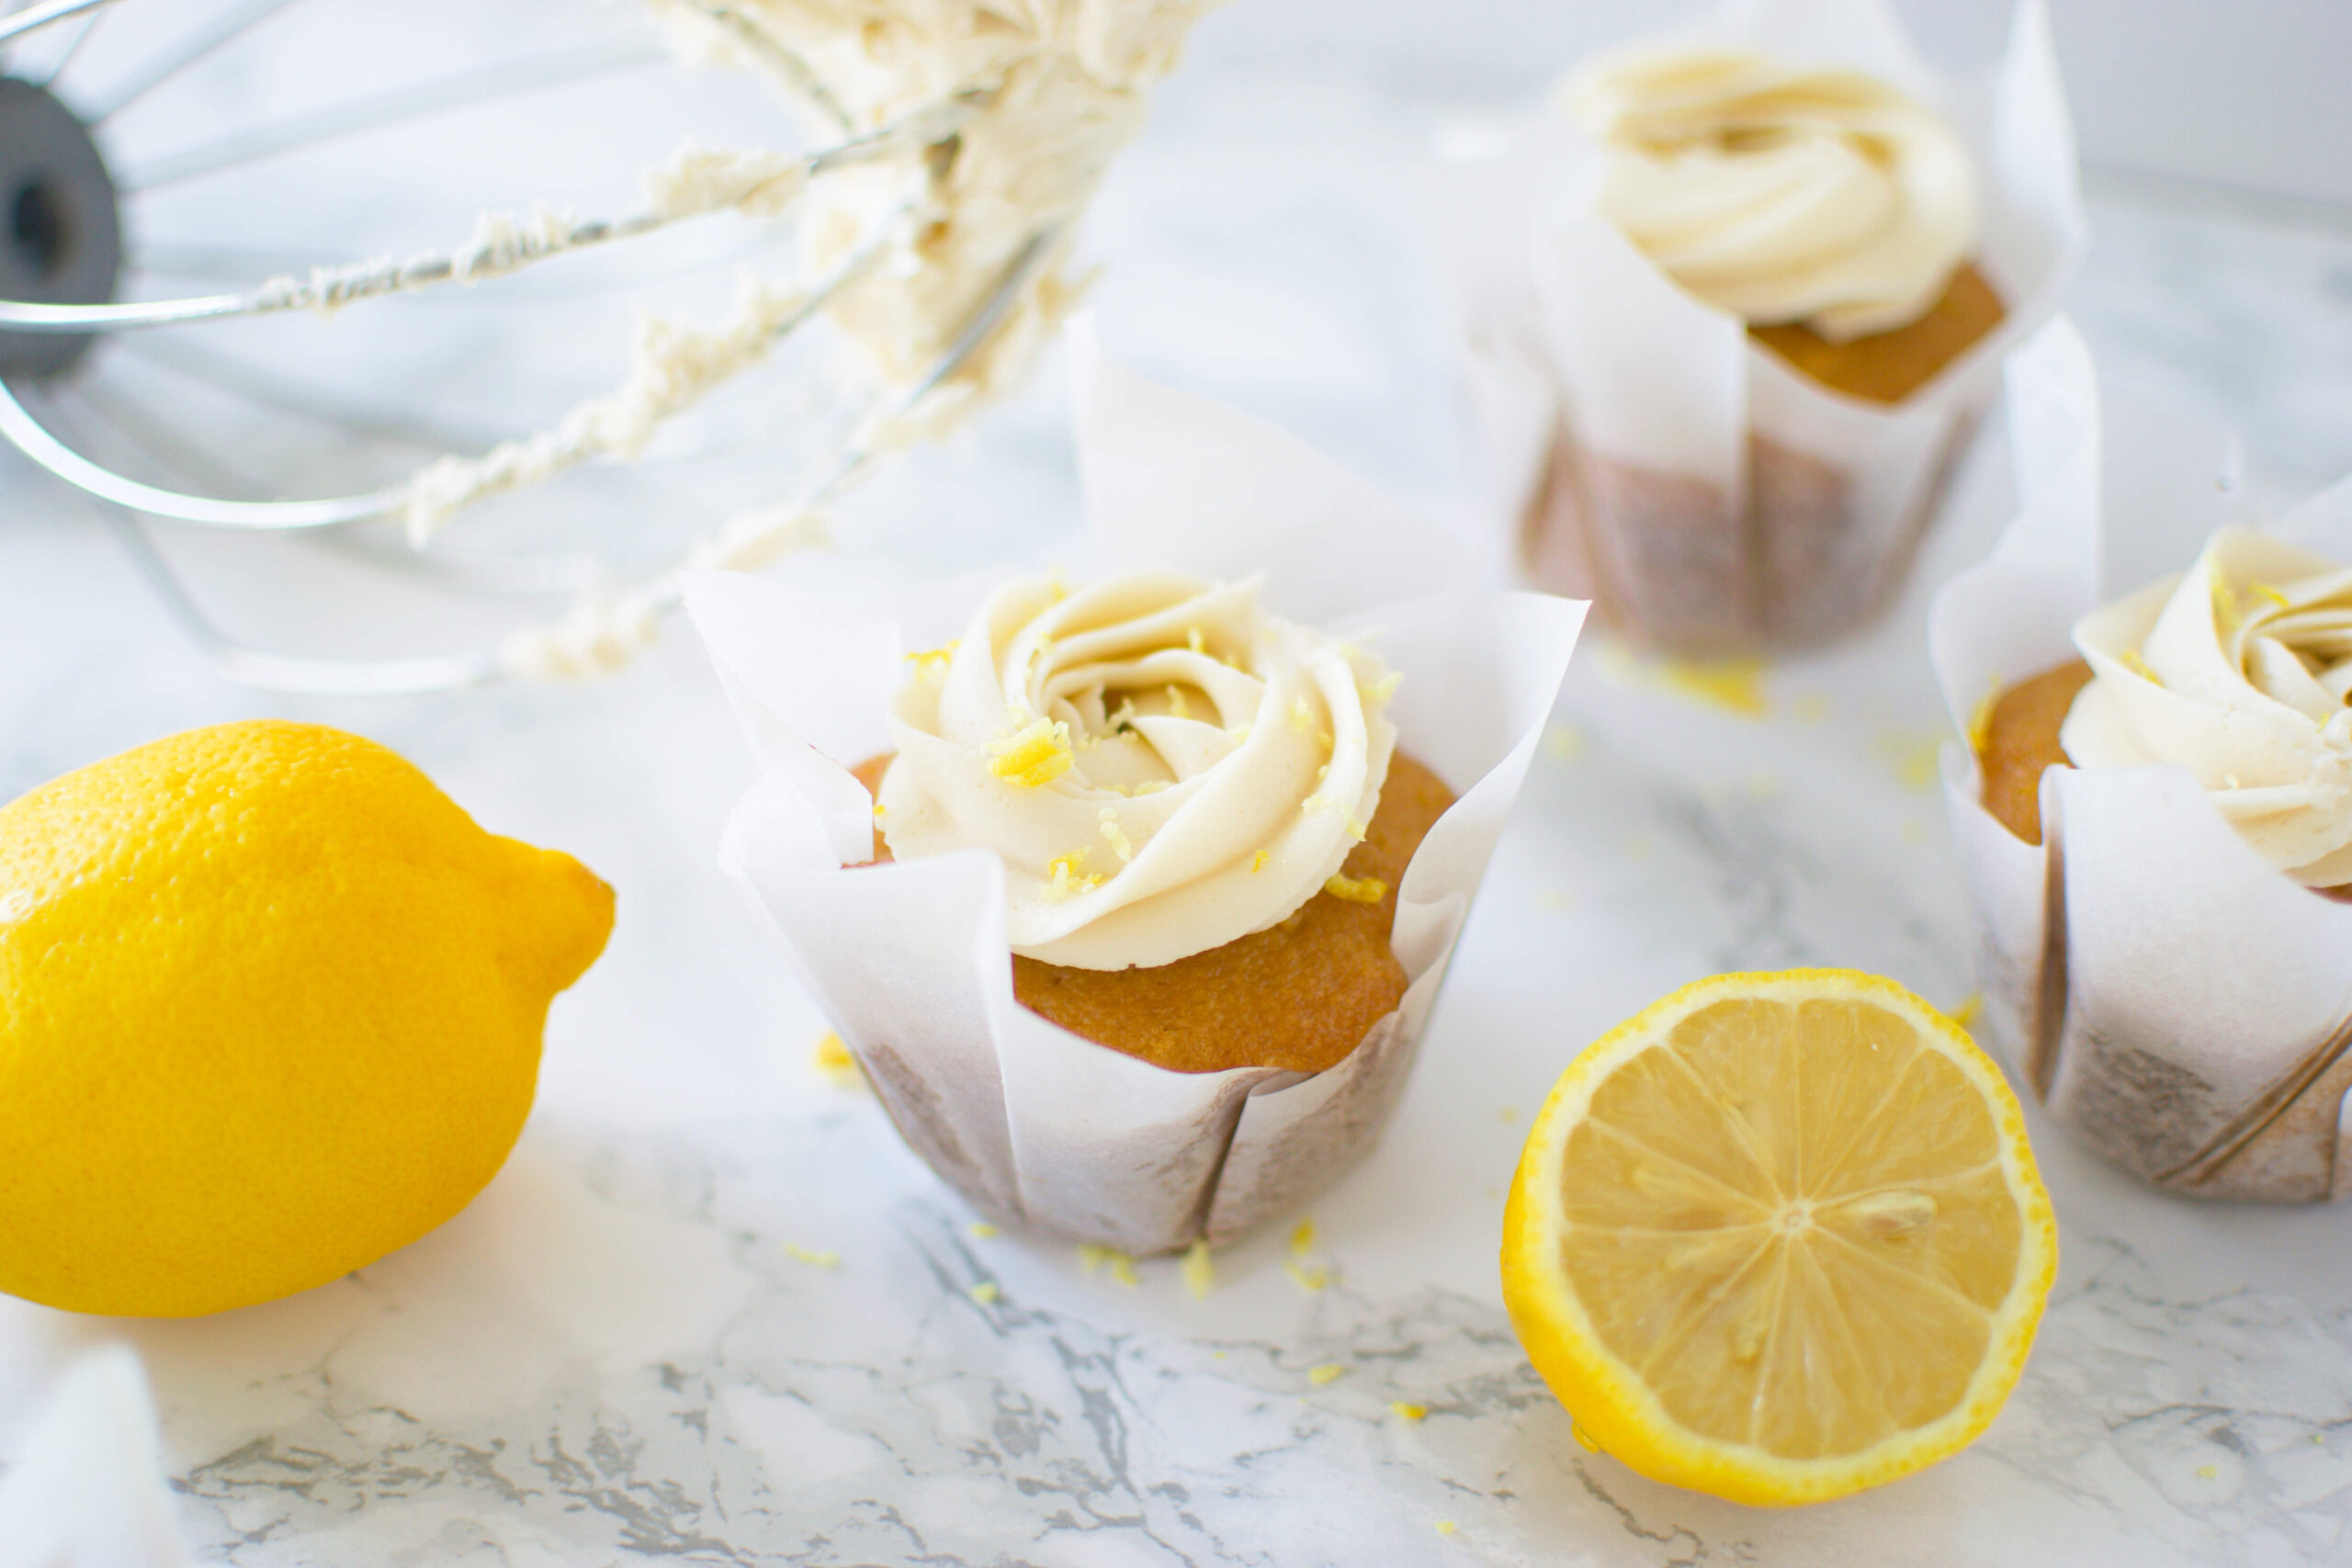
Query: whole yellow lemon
x=270 y=1007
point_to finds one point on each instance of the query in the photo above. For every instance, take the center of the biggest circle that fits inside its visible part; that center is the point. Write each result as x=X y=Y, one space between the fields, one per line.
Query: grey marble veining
x=617 y=1355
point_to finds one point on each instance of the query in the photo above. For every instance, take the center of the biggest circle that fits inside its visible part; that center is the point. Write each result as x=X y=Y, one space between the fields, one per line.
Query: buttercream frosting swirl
x=2236 y=671
x=1163 y=766
x=1778 y=191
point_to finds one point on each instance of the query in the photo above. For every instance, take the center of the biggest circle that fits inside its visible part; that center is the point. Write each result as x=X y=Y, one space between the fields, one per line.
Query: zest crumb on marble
x=1329 y=1372
x=984 y=1293
x=1199 y=1274
x=983 y=1230
x=1404 y=1412
x=1120 y=1266
x=813 y=1257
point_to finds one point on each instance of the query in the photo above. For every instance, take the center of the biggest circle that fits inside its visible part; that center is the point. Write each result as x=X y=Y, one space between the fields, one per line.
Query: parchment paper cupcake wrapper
x=1035 y=1125
x=2177 y=1004
x=1641 y=450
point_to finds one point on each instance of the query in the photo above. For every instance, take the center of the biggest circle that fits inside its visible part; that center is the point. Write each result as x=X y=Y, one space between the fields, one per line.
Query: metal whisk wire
x=501 y=247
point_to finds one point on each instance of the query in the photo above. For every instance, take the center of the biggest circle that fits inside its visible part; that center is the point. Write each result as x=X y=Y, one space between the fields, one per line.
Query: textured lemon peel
x=1404 y=1411
x=1356 y=889
x=816 y=1257
x=1115 y=835
x=1329 y=1372
x=1257 y=860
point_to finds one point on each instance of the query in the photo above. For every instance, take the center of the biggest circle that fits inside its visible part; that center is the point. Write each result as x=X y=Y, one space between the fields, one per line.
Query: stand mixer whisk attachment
x=952 y=147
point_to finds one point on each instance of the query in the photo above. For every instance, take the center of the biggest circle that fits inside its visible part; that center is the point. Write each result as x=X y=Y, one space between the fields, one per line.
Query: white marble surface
x=613 y=1357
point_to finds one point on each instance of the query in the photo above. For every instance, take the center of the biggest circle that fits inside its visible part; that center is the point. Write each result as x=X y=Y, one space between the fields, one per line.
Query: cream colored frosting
x=2236 y=671
x=1162 y=766
x=1056 y=86
x=1778 y=191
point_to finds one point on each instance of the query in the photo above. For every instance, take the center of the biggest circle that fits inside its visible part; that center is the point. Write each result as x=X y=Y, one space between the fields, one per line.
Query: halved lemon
x=1780 y=1237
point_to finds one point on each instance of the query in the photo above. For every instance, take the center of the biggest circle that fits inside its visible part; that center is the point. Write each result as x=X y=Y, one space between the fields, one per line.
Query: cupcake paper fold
x=2177 y=1003
x=1635 y=443
x=1032 y=1124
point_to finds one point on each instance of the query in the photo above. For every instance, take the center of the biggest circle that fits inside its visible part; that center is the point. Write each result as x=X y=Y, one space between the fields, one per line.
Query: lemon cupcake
x=2156 y=814
x=1759 y=287
x=1132 y=897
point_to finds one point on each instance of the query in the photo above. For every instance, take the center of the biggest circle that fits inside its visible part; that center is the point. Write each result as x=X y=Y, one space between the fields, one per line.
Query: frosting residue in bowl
x=1778 y=191
x=1163 y=766
x=2237 y=670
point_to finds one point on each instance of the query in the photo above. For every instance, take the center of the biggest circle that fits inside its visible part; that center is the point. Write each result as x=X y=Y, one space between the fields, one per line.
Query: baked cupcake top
x=1778 y=191
x=2237 y=670
x=1163 y=766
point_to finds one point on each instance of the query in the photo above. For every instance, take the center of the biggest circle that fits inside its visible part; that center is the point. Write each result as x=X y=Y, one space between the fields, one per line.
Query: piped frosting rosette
x=1175 y=751
x=2161 y=966
x=1791 y=163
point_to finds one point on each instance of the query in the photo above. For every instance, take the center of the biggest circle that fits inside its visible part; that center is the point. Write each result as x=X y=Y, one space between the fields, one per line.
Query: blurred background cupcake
x=1732 y=305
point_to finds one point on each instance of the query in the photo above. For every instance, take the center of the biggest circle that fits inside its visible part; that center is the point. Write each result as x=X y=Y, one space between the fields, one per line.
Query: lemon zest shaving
x=1302 y=1238
x=1192 y=638
x=1302 y=715
x=1176 y=705
x=1356 y=889
x=1735 y=684
x=1258 y=862
x=1037 y=753
x=1329 y=1372
x=926 y=660
x=1445 y=1526
x=1067 y=881
x=2139 y=666
x=834 y=1063
x=813 y=1257
x=1199 y=1274
x=1150 y=786
x=1114 y=835
x=1405 y=1412
x=1980 y=723
x=983 y=1229
x=984 y=1293
x=1122 y=1267
x=1357 y=829
x=1385 y=687
x=2270 y=595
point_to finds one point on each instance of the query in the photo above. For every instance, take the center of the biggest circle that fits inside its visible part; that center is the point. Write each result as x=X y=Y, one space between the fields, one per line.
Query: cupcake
x=1753 y=293
x=2156 y=814
x=1132 y=893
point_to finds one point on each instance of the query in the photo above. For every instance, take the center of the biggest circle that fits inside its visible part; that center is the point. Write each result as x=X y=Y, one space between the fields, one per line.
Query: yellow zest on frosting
x=1066 y=881
x=1037 y=753
x=930 y=659
x=2250 y=700
x=1385 y=687
x=1357 y=889
x=1147 y=713
x=1357 y=829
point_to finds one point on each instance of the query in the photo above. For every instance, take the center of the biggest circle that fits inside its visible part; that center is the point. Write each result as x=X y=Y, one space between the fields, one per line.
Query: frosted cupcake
x=1200 y=808
x=1757 y=288
x=1170 y=863
x=2156 y=821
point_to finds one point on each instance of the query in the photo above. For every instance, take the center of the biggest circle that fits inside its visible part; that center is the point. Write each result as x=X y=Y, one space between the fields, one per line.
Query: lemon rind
x=1612 y=1407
